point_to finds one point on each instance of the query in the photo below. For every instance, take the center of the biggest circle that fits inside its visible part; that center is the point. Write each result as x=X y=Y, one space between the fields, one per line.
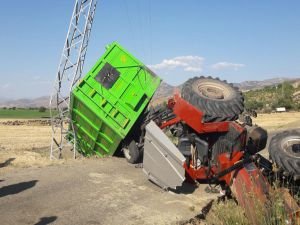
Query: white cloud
x=227 y=65
x=193 y=69
x=187 y=63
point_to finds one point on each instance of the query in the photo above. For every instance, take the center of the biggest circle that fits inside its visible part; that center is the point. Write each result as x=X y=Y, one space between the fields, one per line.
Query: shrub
x=250 y=104
x=42 y=109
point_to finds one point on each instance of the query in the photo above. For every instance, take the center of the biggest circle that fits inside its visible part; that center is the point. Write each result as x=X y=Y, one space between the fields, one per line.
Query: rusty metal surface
x=256 y=196
x=250 y=188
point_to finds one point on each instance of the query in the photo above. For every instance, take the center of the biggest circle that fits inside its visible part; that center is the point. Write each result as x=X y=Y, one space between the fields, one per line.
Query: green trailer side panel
x=107 y=102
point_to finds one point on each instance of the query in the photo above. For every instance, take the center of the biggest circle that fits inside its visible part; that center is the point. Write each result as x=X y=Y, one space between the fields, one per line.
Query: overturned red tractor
x=195 y=137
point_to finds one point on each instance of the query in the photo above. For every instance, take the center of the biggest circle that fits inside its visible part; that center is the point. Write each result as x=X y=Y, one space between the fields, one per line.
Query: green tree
x=252 y=104
x=42 y=109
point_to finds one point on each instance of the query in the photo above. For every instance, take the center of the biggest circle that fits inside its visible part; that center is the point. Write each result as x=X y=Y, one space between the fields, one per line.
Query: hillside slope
x=268 y=98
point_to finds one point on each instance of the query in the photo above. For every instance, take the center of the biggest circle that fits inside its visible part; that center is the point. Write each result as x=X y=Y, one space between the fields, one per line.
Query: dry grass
x=24 y=159
x=278 y=121
x=24 y=137
x=227 y=213
x=25 y=146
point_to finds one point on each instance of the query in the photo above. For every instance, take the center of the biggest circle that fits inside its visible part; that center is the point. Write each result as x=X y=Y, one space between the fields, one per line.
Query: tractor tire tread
x=214 y=110
x=283 y=160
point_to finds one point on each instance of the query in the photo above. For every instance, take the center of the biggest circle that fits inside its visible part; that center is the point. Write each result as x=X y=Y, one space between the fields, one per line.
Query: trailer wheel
x=219 y=100
x=132 y=153
x=284 y=150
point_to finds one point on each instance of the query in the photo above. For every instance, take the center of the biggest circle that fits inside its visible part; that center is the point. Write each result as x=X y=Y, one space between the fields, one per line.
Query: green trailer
x=108 y=101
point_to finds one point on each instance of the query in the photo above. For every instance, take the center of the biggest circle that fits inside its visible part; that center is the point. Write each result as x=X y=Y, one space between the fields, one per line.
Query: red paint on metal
x=250 y=188
x=193 y=116
x=203 y=173
x=252 y=191
x=170 y=122
x=225 y=161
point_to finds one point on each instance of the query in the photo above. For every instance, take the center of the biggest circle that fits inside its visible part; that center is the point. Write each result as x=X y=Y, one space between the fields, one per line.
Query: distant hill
x=165 y=90
x=253 y=85
x=26 y=102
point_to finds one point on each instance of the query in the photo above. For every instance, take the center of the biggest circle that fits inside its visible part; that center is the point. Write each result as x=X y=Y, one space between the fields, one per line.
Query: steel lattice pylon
x=69 y=72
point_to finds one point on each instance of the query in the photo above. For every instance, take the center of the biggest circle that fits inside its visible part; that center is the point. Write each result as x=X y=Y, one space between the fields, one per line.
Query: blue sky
x=233 y=40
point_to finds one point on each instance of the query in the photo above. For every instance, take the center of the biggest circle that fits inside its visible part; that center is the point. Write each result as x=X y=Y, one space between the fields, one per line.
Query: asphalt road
x=90 y=192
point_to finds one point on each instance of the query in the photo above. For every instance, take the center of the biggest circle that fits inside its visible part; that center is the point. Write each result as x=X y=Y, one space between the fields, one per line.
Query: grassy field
x=23 y=114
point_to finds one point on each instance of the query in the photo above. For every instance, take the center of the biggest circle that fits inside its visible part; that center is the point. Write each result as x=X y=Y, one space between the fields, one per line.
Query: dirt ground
x=93 y=191
x=35 y=190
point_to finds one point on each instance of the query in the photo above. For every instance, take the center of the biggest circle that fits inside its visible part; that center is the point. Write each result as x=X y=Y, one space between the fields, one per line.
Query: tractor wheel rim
x=212 y=90
x=292 y=146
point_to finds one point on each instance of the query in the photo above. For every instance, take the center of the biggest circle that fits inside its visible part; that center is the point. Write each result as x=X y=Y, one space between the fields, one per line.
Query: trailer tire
x=218 y=100
x=284 y=150
x=132 y=153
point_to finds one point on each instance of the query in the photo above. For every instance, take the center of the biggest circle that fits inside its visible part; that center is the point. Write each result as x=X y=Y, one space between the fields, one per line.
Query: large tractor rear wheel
x=284 y=150
x=219 y=100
